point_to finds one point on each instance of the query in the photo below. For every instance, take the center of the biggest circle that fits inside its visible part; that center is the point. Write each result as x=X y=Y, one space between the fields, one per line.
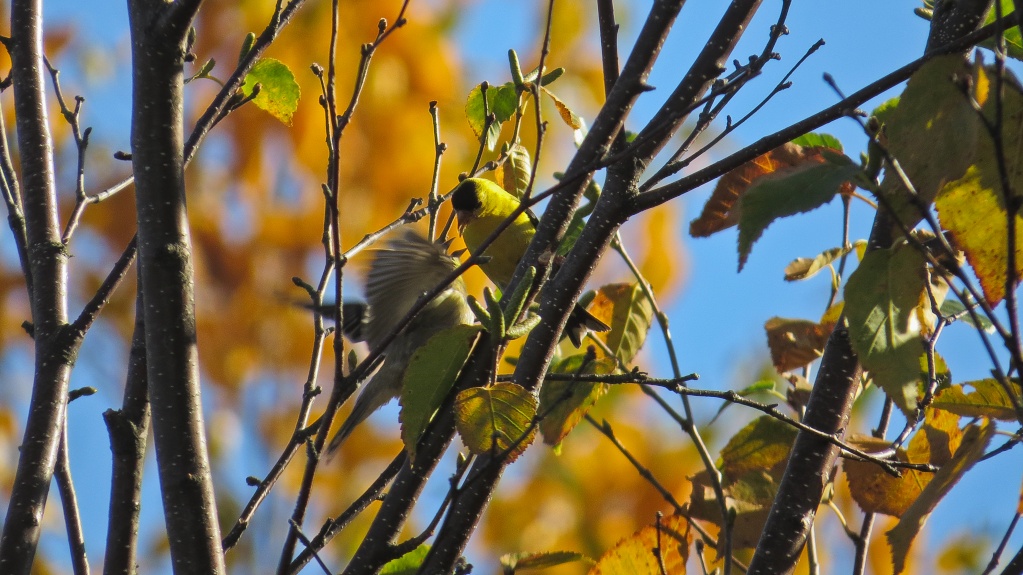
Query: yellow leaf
x=901 y=537
x=496 y=419
x=653 y=550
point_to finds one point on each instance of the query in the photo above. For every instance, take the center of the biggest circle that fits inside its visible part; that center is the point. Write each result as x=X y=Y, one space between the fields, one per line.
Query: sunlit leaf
x=495 y=419
x=791 y=192
x=795 y=343
x=429 y=377
x=988 y=399
x=880 y=299
x=874 y=490
x=1013 y=39
x=501 y=101
x=512 y=562
x=901 y=537
x=407 y=564
x=635 y=555
x=278 y=92
x=831 y=315
x=975 y=214
x=516 y=171
x=972 y=207
x=567 y=115
x=817 y=140
x=803 y=268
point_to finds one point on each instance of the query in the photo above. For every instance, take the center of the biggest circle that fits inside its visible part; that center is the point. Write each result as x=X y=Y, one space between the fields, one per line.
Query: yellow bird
x=481 y=206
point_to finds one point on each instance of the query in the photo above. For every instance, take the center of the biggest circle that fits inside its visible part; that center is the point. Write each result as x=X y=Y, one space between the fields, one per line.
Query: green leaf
x=751 y=465
x=1013 y=40
x=952 y=307
x=575 y=229
x=815 y=140
x=884 y=111
x=881 y=297
x=802 y=189
x=931 y=133
x=517 y=170
x=564 y=403
x=407 y=564
x=762 y=447
x=204 y=70
x=429 y=377
x=988 y=399
x=496 y=419
x=514 y=561
x=763 y=386
x=501 y=101
x=278 y=93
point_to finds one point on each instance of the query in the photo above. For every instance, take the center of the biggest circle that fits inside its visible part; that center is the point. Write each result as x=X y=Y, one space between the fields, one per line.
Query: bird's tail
x=579 y=321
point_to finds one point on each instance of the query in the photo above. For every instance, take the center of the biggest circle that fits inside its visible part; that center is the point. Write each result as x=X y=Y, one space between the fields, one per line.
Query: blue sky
x=719 y=314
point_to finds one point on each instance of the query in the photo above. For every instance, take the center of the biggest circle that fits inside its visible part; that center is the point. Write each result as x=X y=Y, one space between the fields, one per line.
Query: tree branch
x=54 y=351
x=128 y=429
x=167 y=284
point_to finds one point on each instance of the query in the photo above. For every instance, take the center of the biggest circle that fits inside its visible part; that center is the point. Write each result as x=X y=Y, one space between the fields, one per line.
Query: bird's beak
x=463 y=219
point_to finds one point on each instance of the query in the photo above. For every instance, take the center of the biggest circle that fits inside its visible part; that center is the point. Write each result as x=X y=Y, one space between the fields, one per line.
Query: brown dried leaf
x=795 y=342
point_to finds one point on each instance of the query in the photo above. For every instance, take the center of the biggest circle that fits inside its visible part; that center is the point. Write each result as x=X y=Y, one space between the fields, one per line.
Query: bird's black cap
x=465 y=198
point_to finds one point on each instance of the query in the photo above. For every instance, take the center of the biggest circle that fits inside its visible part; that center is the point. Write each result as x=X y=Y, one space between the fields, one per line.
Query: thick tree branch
x=167 y=284
x=128 y=429
x=48 y=268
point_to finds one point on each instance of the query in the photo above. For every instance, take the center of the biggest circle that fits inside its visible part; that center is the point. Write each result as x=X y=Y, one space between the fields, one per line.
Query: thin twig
x=69 y=502
x=334 y=526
